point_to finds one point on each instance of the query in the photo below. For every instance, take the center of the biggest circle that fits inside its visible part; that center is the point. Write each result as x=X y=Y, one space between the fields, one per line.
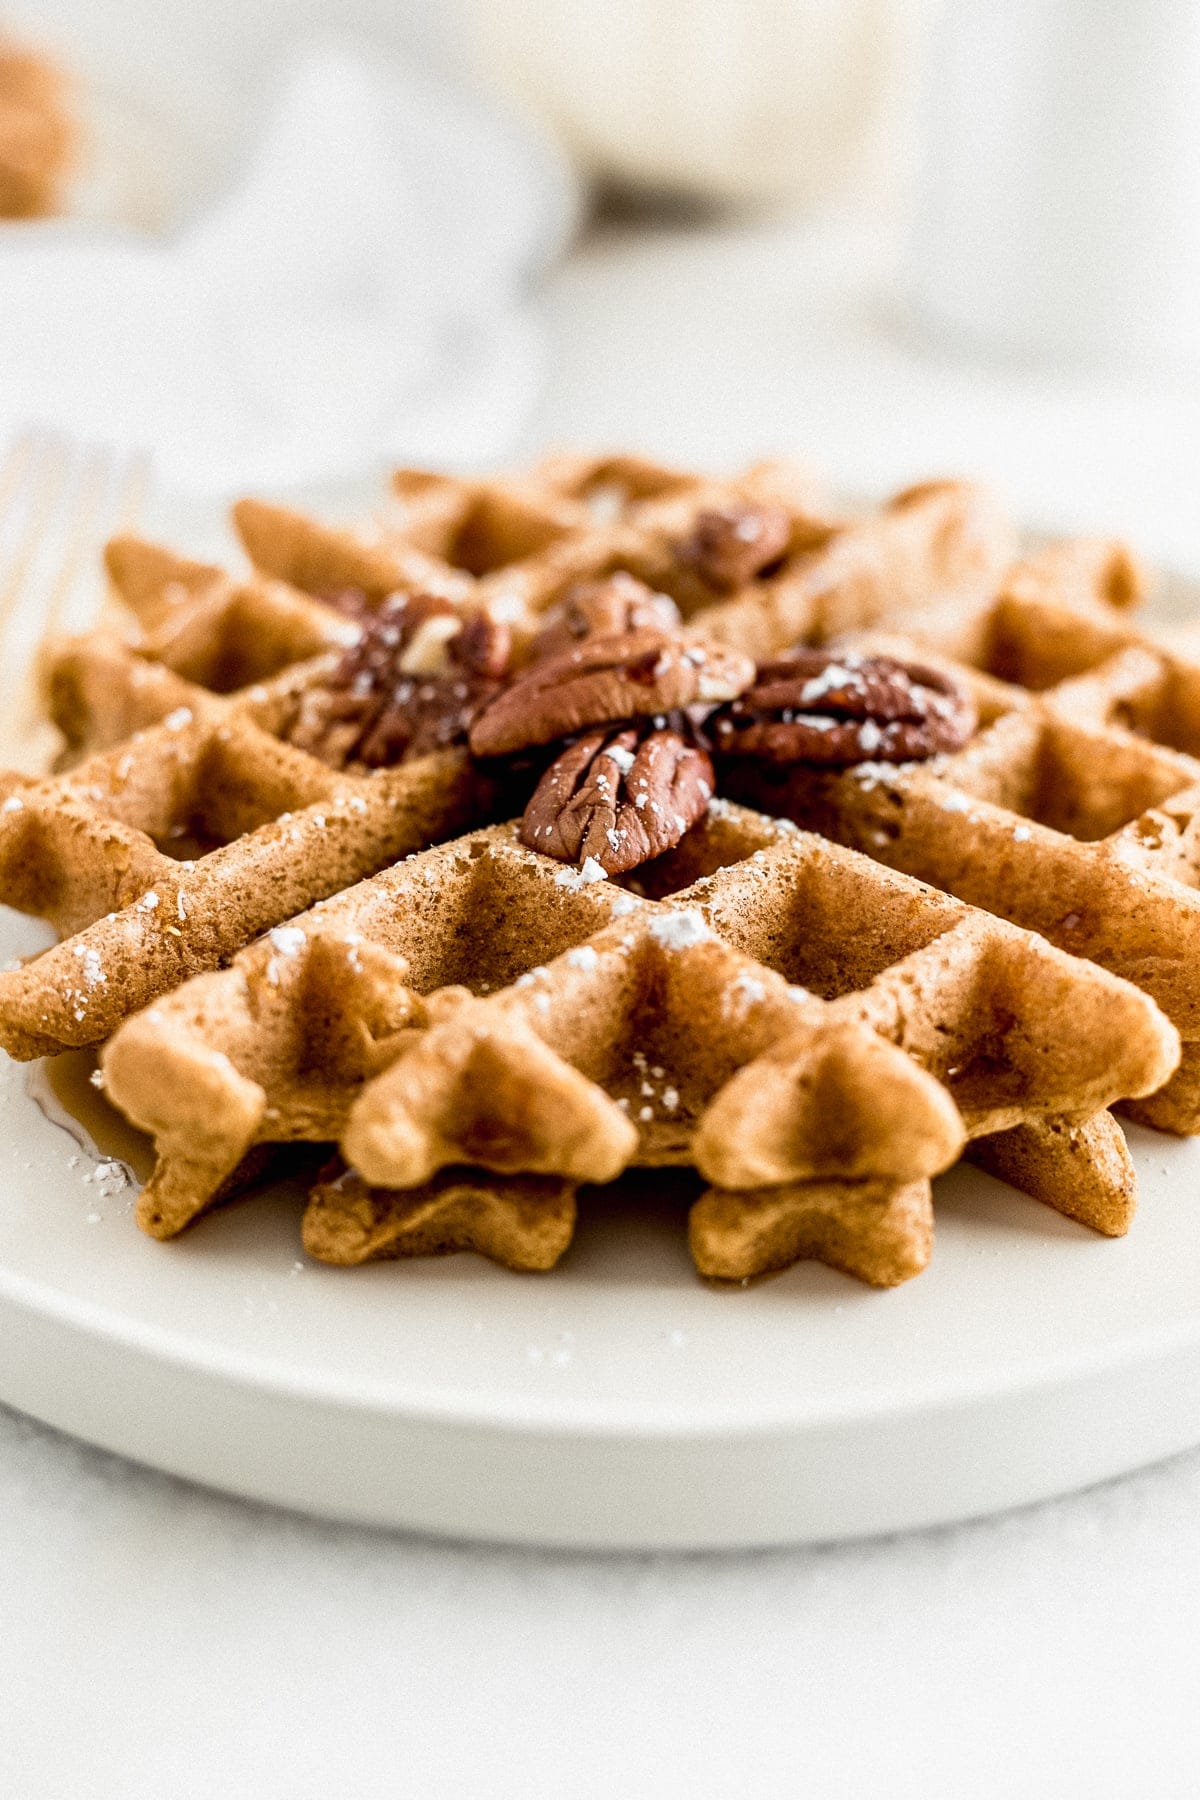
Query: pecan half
x=729 y=545
x=635 y=675
x=352 y=602
x=482 y=645
x=620 y=796
x=603 y=609
x=814 y=707
x=413 y=682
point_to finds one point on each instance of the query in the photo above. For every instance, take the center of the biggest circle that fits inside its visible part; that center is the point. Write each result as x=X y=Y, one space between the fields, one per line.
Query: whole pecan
x=411 y=684
x=729 y=545
x=812 y=706
x=634 y=675
x=601 y=609
x=619 y=795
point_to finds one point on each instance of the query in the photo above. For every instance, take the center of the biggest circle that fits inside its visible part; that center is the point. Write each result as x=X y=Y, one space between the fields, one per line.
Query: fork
x=59 y=502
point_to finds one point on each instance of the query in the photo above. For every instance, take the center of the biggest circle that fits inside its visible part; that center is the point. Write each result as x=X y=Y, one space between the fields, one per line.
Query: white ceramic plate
x=618 y=1401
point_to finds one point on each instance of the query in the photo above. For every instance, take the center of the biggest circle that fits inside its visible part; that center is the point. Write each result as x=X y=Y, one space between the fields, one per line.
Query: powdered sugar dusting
x=836 y=675
x=91 y=971
x=746 y=990
x=678 y=930
x=577 y=878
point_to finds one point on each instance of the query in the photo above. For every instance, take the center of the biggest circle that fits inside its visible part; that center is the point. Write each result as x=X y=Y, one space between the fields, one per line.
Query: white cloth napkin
x=361 y=292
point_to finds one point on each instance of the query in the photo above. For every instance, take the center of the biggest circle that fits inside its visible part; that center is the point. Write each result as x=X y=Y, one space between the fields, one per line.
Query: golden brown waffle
x=525 y=541
x=521 y=544
x=815 y=1035
x=807 y=1035
x=37 y=134
x=1075 y=811
x=165 y=852
x=522 y=536
x=200 y=633
x=219 y=664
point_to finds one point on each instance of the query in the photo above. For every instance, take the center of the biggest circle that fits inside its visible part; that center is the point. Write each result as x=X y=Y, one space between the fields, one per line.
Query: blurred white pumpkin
x=724 y=99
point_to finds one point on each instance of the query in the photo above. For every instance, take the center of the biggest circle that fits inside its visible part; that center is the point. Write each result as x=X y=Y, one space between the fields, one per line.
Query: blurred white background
x=732 y=98
x=207 y=63
x=935 y=236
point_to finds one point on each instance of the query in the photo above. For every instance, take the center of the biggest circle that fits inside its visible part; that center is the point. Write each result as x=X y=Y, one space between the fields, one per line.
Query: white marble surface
x=157 y=1641
x=160 y=1642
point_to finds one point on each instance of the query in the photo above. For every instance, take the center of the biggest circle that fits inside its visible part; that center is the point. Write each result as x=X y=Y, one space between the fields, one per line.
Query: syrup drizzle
x=61 y=1088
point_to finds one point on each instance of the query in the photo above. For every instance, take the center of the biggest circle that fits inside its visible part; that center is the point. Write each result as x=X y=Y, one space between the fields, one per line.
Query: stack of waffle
x=405 y=846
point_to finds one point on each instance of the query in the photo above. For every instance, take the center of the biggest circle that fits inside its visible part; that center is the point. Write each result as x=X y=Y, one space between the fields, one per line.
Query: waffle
x=524 y=544
x=178 y=730
x=195 y=826
x=814 y=1035
x=1074 y=811
x=790 y=1034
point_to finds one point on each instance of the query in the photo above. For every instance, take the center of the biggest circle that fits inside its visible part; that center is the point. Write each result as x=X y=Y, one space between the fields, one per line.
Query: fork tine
x=81 y=506
x=130 y=488
x=110 y=491
x=58 y=502
x=112 y=497
x=41 y=467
